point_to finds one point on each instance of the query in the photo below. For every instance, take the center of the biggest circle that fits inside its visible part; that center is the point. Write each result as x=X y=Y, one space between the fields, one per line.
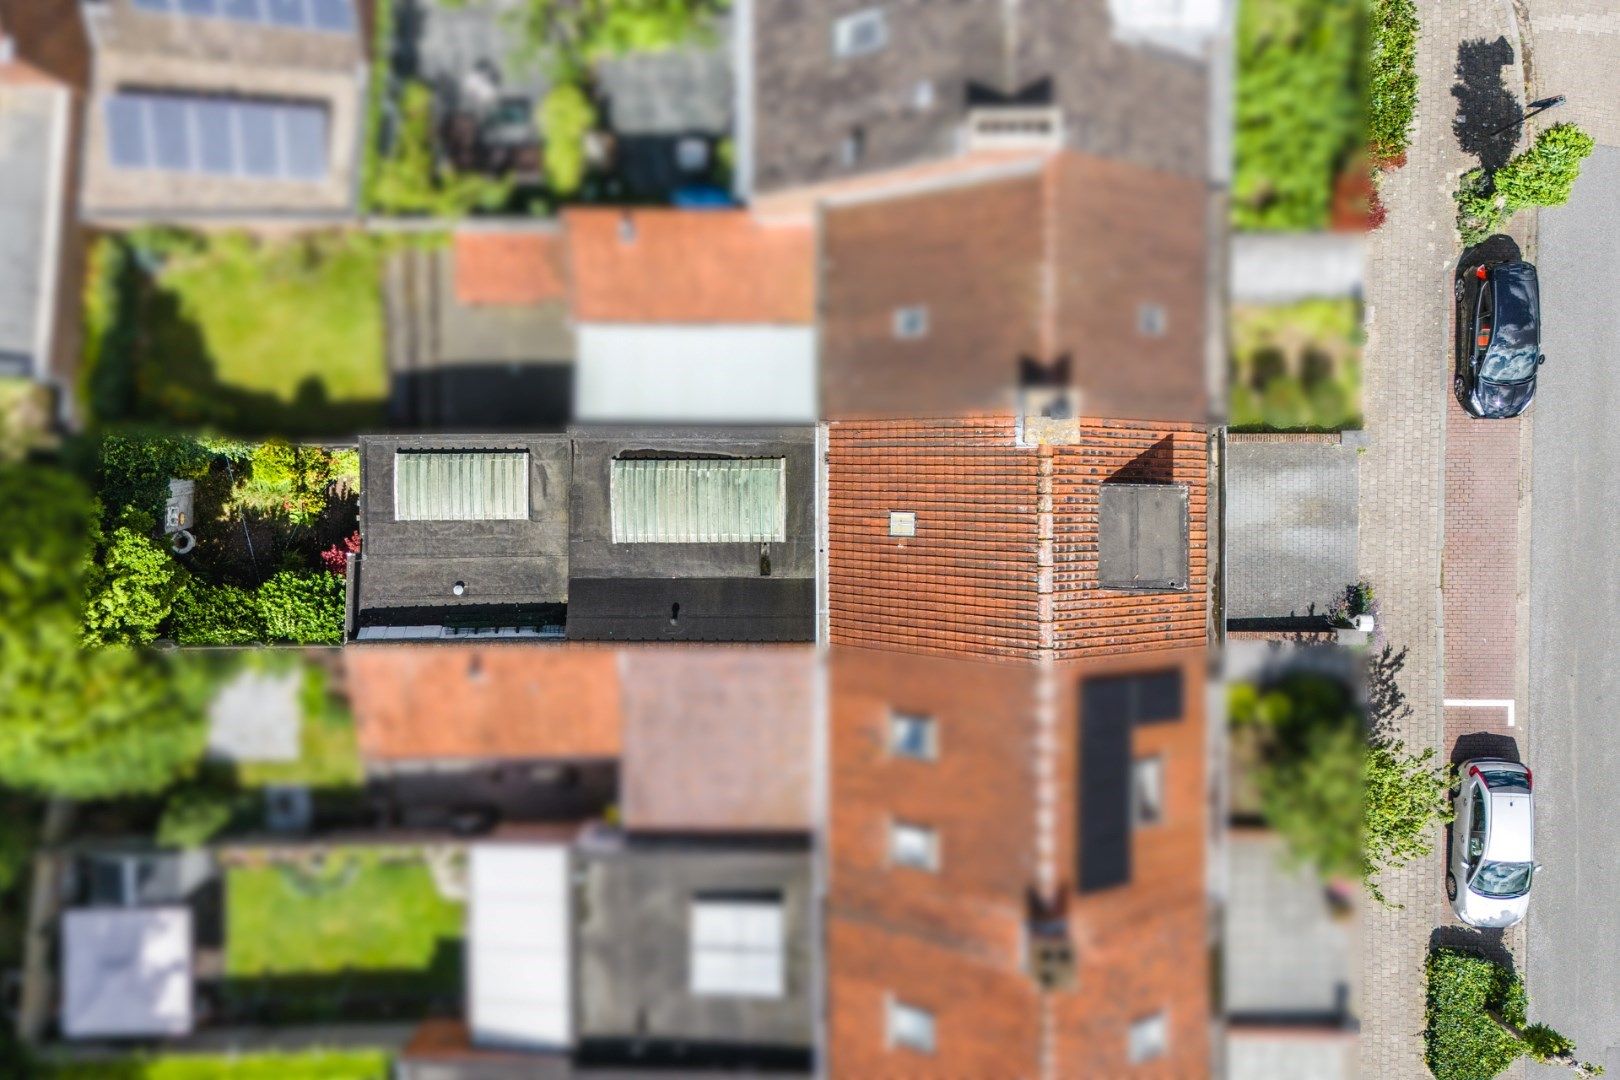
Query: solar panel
x=199 y=7
x=286 y=12
x=304 y=128
x=261 y=151
x=171 y=132
x=333 y=14
x=216 y=135
x=126 y=132
x=153 y=5
x=250 y=10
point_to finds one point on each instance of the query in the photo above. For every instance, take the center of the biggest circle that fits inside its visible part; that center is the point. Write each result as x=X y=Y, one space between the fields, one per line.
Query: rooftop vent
x=1015 y=127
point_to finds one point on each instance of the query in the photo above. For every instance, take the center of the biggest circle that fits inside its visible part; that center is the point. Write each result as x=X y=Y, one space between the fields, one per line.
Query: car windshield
x=1505 y=780
x=1503 y=879
x=1508 y=365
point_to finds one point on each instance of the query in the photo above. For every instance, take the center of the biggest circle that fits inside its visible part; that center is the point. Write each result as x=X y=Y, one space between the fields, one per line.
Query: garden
x=1296 y=367
x=1325 y=95
x=245 y=335
x=330 y=934
x=261 y=555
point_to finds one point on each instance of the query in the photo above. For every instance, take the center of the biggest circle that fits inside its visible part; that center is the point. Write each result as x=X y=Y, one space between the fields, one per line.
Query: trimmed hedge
x=1460 y=1041
x=303 y=607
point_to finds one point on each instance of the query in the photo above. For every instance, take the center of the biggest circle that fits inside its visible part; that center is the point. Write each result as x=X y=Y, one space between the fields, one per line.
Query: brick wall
x=50 y=35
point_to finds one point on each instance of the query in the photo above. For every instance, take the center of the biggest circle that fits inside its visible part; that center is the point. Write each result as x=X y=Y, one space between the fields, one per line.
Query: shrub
x=336 y=557
x=131 y=584
x=304 y=608
x=215 y=615
x=195 y=813
x=1461 y=1042
x=1545 y=173
x=565 y=117
x=1392 y=78
x=134 y=468
x=1405 y=796
x=1542 y=175
x=107 y=373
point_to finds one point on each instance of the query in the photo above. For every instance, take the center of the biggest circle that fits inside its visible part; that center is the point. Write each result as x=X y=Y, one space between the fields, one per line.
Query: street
x=1574 y=922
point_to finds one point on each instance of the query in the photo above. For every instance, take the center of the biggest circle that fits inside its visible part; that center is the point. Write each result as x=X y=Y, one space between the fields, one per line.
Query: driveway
x=1574 y=923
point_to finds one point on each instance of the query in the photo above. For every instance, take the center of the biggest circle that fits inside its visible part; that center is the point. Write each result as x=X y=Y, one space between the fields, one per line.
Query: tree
x=82 y=723
x=1542 y=175
x=1476 y=1021
x=566 y=116
x=1346 y=797
x=411 y=180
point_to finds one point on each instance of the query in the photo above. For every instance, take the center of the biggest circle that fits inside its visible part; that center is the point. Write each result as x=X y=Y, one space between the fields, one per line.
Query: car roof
x=1518 y=305
x=1512 y=832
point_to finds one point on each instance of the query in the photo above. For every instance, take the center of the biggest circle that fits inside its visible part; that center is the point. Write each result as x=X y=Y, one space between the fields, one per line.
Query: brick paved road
x=1403 y=484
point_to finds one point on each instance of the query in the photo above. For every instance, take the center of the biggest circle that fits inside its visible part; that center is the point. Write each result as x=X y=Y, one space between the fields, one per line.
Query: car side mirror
x=1538 y=868
x=1541 y=359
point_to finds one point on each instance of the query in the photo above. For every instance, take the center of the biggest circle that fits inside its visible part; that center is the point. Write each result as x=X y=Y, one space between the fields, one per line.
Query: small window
x=853 y=148
x=1150 y=1038
x=922 y=95
x=913 y=846
x=698 y=500
x=1147 y=791
x=861 y=33
x=911 y=322
x=910 y=1027
x=1151 y=320
x=470 y=485
x=737 y=946
x=913 y=736
x=902 y=523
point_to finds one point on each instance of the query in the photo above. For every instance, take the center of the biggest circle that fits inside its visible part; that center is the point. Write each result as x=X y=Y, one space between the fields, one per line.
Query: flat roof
x=126 y=972
x=520 y=946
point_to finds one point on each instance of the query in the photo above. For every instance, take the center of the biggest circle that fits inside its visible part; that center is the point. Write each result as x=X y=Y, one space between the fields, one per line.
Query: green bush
x=295 y=1065
x=195 y=813
x=134 y=468
x=106 y=370
x=1460 y=1041
x=130 y=585
x=1542 y=175
x=304 y=608
x=205 y=614
x=1392 y=79
x=565 y=117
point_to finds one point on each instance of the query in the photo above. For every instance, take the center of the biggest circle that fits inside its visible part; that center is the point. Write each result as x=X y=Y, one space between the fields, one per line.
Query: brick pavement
x=1403 y=484
x=1573 y=47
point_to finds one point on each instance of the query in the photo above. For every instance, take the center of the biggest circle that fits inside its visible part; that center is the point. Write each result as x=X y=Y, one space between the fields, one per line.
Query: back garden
x=271 y=523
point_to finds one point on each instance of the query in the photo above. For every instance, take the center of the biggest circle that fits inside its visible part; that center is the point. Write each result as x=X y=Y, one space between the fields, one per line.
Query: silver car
x=1492 y=843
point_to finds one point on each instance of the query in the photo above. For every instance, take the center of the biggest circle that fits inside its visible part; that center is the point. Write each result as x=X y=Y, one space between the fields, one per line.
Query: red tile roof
x=509 y=267
x=689 y=266
x=413 y=702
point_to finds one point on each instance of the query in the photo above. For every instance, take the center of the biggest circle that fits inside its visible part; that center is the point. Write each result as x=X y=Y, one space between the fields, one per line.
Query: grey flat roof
x=1142 y=537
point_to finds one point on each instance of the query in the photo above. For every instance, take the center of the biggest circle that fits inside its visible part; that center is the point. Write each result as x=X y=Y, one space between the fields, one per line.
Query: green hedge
x=305 y=1065
x=1392 y=78
x=1460 y=1041
x=303 y=607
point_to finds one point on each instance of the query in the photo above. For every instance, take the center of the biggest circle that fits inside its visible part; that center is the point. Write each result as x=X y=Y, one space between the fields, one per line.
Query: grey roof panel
x=1142 y=537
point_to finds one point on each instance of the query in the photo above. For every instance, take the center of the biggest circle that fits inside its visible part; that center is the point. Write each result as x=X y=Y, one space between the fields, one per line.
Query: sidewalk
x=1427 y=506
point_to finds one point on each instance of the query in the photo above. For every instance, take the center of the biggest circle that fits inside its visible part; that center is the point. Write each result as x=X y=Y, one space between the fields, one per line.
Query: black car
x=1498 y=338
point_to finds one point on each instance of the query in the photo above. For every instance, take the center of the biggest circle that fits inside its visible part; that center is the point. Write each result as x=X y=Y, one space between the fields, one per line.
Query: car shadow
x=1486 y=943
x=1493 y=249
x=1484 y=744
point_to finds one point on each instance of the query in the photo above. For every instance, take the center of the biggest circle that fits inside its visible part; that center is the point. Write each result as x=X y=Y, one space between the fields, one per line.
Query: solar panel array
x=267 y=140
x=336 y=16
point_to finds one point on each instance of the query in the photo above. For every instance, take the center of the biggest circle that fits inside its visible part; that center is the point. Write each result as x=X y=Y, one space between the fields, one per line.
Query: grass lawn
x=1296 y=367
x=360 y=913
x=258 y=337
x=308 y=1065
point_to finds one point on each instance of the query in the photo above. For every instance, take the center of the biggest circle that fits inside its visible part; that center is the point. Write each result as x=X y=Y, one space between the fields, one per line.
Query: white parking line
x=1484 y=703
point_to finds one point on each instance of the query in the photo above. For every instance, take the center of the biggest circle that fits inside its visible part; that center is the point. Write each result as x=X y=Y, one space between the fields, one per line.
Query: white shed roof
x=695 y=374
x=520 y=946
x=126 y=972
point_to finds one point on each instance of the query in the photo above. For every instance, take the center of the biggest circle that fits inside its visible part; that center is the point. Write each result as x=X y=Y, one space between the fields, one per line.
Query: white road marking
x=1482 y=703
